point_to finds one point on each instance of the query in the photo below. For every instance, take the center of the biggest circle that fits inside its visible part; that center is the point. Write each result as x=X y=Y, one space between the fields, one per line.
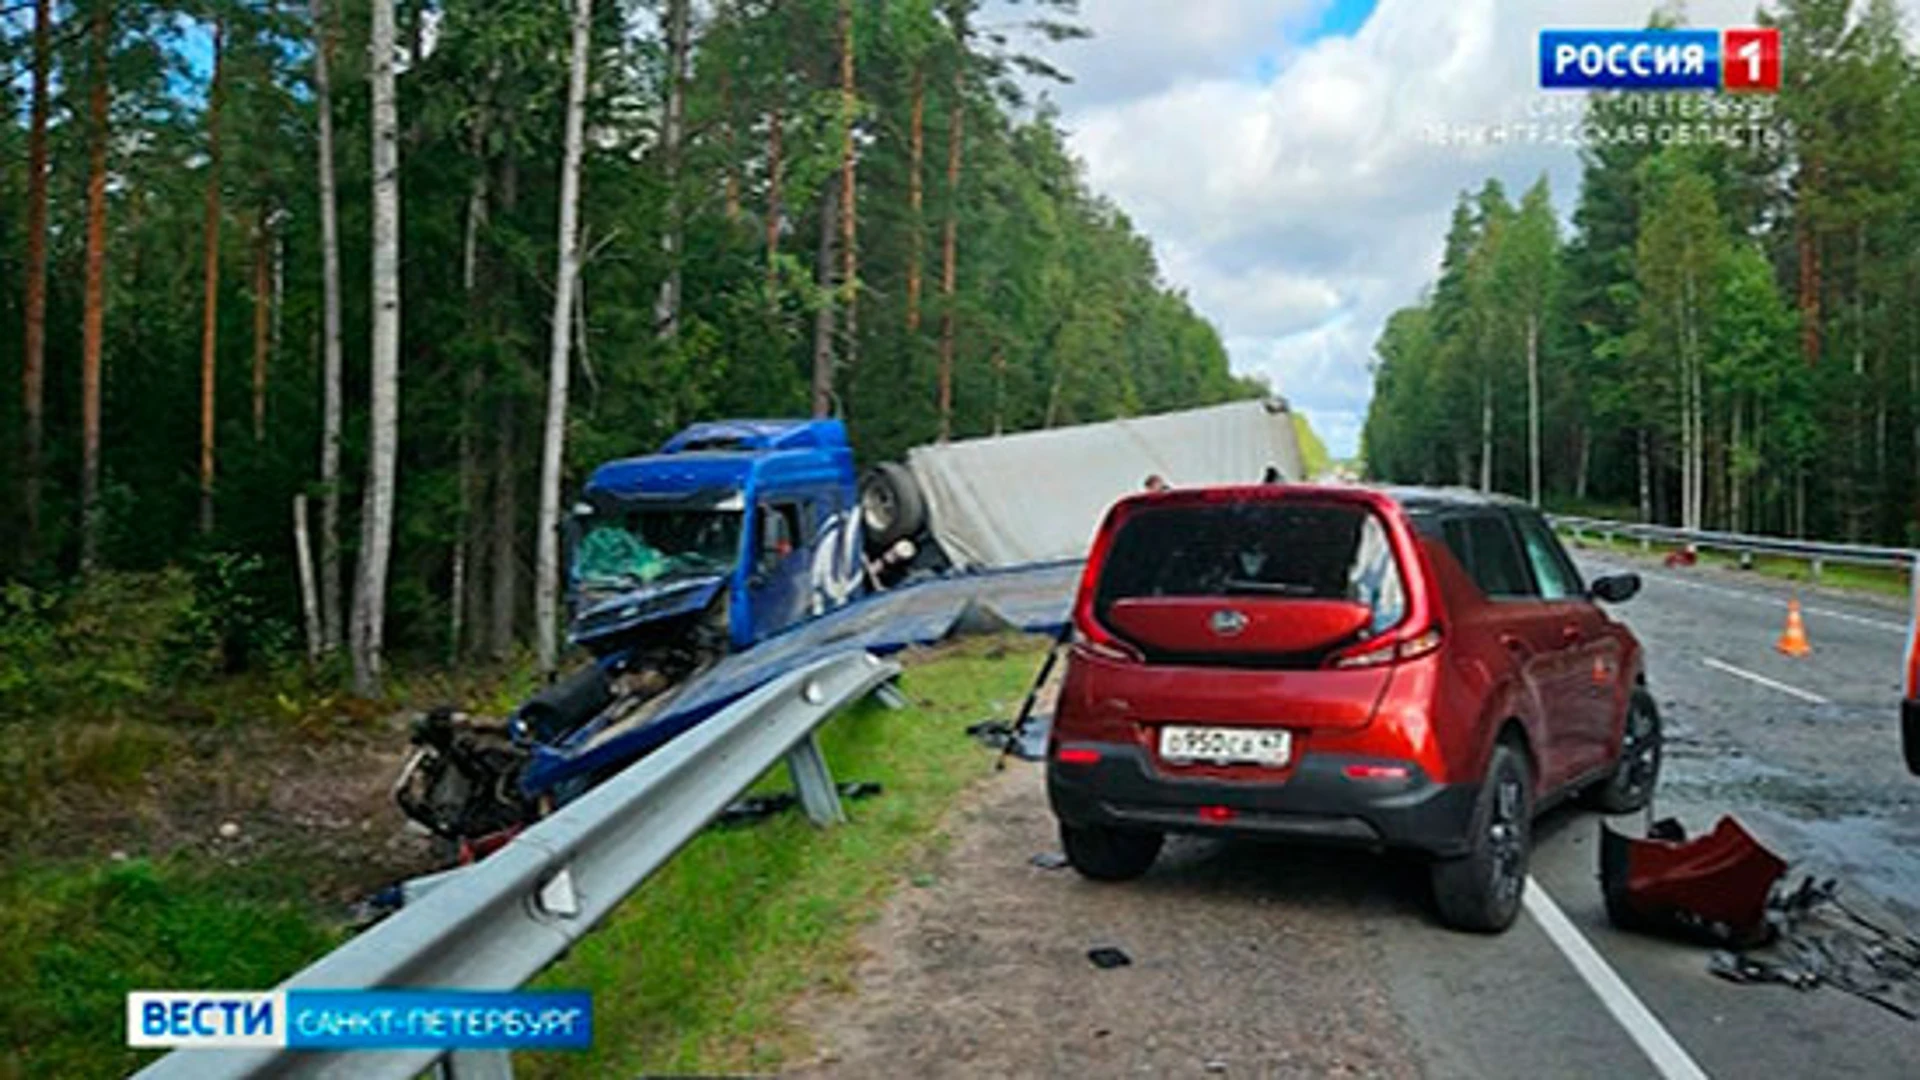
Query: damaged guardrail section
x=497 y=924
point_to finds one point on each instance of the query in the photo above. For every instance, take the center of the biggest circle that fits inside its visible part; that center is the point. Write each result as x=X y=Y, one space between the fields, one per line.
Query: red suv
x=1393 y=668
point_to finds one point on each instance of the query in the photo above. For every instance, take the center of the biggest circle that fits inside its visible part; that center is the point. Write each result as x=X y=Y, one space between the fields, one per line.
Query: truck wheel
x=1105 y=854
x=1480 y=891
x=1638 y=770
x=891 y=506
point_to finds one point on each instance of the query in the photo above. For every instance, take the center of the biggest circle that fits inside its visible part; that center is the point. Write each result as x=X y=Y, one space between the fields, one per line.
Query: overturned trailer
x=692 y=570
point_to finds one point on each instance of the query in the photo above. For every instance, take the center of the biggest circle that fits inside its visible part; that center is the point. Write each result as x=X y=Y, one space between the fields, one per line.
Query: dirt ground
x=965 y=975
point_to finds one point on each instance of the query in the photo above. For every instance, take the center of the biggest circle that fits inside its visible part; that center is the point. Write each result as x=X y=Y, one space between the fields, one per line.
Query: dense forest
x=417 y=266
x=1728 y=338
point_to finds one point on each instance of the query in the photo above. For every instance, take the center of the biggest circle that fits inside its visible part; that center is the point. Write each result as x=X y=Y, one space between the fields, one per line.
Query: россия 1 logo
x=1742 y=59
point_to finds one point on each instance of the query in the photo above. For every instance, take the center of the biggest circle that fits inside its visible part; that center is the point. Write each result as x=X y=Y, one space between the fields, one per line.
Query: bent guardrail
x=497 y=924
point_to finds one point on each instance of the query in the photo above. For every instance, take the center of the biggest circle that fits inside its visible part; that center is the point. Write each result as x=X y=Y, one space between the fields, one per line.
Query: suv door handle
x=1570 y=634
x=1516 y=645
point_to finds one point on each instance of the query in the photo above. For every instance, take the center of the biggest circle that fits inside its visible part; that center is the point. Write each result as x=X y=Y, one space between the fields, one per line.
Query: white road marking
x=1669 y=1058
x=1803 y=695
x=1762 y=598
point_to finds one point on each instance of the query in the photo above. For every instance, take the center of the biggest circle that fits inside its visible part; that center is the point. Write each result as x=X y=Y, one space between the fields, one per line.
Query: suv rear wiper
x=1280 y=588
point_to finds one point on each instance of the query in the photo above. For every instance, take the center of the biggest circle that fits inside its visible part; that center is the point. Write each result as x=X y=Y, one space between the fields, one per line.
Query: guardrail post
x=1646 y=544
x=1746 y=560
x=814 y=784
x=1816 y=568
x=476 y=1065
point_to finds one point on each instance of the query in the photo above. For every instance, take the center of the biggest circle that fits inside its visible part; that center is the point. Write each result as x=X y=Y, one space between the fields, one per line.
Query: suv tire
x=1637 y=771
x=1480 y=891
x=1108 y=854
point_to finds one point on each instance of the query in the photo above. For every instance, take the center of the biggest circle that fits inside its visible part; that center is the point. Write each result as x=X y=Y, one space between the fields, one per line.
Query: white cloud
x=1301 y=210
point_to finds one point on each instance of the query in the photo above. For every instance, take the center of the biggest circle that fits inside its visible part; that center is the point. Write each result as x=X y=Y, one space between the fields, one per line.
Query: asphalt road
x=1254 y=960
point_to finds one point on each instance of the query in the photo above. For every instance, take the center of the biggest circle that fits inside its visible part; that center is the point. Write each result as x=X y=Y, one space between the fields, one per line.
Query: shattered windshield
x=642 y=545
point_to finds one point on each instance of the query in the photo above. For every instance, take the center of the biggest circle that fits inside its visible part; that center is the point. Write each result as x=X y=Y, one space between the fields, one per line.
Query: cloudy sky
x=1280 y=155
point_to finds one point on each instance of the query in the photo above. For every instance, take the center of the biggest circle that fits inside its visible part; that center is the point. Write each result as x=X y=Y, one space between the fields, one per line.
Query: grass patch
x=78 y=938
x=695 y=973
x=1884 y=581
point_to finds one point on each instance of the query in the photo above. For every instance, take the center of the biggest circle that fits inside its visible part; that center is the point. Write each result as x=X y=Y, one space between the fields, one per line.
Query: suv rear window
x=1271 y=549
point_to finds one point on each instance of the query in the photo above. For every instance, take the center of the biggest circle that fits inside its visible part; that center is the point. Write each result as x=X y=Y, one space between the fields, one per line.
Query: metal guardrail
x=498 y=923
x=1816 y=552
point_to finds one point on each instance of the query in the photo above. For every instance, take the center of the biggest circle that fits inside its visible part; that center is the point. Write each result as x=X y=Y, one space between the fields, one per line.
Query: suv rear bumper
x=1317 y=803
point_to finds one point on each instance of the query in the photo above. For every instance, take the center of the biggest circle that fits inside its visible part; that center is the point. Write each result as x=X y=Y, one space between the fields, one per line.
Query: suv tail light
x=1389 y=650
x=1097 y=637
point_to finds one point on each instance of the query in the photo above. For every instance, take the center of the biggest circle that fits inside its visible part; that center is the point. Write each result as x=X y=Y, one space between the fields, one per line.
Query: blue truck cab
x=734 y=531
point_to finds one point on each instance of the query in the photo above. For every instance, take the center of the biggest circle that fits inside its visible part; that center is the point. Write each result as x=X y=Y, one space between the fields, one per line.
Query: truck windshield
x=641 y=545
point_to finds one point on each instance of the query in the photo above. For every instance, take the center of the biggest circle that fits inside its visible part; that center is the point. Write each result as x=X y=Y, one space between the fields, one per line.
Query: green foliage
x=1731 y=318
x=227 y=627
x=1313 y=452
x=79 y=938
x=1059 y=313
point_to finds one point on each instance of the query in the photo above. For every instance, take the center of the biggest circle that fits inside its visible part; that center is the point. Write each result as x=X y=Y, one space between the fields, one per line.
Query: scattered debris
x=1214 y=1065
x=1722 y=889
x=229 y=830
x=1712 y=888
x=998 y=735
x=1106 y=958
x=1048 y=860
x=1821 y=940
x=922 y=881
x=760 y=807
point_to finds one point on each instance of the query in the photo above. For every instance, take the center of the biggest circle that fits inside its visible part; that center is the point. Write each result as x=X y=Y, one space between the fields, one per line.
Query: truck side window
x=779 y=531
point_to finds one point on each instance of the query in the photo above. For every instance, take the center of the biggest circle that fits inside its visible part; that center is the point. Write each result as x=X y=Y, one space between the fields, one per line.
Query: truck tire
x=1480 y=891
x=891 y=506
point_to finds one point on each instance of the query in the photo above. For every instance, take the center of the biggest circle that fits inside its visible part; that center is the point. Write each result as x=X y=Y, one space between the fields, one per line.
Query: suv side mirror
x=1615 y=588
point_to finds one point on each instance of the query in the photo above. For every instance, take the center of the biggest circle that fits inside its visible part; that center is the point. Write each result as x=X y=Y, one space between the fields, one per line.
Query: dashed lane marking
x=1771 y=684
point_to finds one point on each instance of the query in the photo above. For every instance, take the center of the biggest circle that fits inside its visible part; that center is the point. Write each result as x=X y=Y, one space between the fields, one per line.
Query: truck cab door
x=777 y=581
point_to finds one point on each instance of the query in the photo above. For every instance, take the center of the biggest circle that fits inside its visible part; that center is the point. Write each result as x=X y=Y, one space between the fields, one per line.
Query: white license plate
x=1226 y=745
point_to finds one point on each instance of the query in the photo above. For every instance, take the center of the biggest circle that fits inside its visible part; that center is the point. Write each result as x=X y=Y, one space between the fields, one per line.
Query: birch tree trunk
x=210 y=308
x=330 y=407
x=1486 y=431
x=666 y=308
x=547 y=565
x=93 y=323
x=33 y=371
x=383 y=429
x=1533 y=408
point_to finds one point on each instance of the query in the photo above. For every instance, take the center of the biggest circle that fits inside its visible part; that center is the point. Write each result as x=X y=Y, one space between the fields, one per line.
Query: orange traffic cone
x=1793 y=641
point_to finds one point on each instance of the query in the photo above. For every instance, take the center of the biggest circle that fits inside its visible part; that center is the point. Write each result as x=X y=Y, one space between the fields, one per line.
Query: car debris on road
x=1711 y=888
x=1722 y=889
